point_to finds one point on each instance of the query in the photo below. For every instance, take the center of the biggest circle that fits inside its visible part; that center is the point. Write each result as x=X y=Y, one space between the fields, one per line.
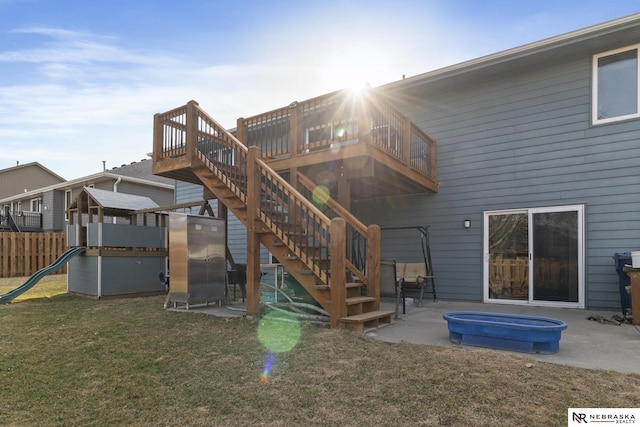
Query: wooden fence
x=509 y=277
x=22 y=254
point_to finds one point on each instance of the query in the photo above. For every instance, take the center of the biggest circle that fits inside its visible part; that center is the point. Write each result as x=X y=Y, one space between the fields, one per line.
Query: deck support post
x=337 y=281
x=373 y=263
x=253 y=236
x=192 y=131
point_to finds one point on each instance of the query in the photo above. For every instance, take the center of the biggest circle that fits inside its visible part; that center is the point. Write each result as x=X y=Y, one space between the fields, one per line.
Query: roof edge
x=518 y=52
x=76 y=181
x=38 y=164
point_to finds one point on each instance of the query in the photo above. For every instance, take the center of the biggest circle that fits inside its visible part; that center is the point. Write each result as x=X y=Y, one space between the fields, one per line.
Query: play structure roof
x=122 y=201
x=111 y=203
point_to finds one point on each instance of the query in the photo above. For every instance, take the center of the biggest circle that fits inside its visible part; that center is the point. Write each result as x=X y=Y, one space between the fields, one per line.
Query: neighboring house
x=534 y=190
x=23 y=178
x=45 y=208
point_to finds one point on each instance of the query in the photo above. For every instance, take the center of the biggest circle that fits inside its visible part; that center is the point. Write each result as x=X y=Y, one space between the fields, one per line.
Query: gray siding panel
x=47 y=212
x=520 y=141
x=237 y=233
x=187 y=192
x=163 y=197
x=119 y=275
x=126 y=236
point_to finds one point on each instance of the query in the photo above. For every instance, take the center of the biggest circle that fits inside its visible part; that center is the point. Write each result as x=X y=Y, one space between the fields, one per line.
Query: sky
x=80 y=80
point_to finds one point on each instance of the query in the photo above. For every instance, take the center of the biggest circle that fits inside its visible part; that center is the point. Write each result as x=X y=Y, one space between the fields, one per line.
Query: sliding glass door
x=535 y=256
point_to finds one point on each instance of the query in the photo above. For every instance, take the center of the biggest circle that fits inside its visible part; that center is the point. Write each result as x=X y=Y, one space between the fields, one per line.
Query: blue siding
x=519 y=141
x=237 y=233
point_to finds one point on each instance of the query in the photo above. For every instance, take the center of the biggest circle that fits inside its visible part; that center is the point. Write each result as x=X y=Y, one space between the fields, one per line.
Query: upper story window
x=615 y=85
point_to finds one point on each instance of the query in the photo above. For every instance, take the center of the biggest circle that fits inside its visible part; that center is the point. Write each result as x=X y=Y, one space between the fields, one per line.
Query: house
x=522 y=164
x=45 y=208
x=537 y=149
x=22 y=178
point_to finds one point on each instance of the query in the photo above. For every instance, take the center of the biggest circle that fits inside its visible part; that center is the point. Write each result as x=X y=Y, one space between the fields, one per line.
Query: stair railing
x=363 y=243
x=297 y=223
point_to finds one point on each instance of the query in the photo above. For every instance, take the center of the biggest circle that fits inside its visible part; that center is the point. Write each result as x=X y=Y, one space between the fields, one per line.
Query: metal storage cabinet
x=197 y=258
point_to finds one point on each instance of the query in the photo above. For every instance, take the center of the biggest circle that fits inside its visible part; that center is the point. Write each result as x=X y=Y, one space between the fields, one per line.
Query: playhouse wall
x=82 y=276
x=118 y=275
x=124 y=235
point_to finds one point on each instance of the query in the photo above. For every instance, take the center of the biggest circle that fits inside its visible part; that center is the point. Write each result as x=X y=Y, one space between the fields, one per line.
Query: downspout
x=115 y=190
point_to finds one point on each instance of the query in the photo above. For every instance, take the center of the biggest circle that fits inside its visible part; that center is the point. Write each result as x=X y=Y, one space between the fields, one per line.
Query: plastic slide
x=30 y=283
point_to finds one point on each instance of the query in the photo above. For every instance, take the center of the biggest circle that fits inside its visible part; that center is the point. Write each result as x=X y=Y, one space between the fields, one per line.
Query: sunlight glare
x=279 y=332
x=320 y=195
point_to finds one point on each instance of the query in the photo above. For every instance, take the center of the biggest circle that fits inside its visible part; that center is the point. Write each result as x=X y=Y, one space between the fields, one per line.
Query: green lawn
x=47 y=287
x=66 y=360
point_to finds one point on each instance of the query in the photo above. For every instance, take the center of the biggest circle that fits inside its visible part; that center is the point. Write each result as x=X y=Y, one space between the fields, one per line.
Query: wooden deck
x=338 y=147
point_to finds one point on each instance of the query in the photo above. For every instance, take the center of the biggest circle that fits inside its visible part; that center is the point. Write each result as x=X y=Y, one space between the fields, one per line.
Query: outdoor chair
x=414 y=275
x=238 y=276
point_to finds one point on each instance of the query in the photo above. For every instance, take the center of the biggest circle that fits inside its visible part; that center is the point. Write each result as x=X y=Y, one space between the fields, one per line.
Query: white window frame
x=67 y=202
x=580 y=209
x=38 y=204
x=594 y=85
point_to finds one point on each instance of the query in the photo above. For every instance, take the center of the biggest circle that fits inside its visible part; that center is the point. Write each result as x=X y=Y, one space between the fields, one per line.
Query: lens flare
x=264 y=378
x=279 y=332
x=321 y=195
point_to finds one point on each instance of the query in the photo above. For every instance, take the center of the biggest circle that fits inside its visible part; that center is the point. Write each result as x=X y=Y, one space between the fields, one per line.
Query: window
x=615 y=85
x=36 y=205
x=535 y=256
x=67 y=203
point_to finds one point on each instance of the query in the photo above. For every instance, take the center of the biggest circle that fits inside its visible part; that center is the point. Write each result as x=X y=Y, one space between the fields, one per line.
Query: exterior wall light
x=467 y=223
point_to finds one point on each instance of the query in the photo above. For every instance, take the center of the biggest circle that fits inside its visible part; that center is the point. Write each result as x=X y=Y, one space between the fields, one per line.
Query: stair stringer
x=295 y=266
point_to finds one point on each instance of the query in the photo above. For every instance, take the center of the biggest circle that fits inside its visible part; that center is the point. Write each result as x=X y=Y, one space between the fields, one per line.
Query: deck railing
x=341 y=117
x=21 y=221
x=173 y=132
x=362 y=241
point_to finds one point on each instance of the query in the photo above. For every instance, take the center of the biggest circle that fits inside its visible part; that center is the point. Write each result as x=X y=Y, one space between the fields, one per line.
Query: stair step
x=237 y=206
x=359 y=300
x=372 y=319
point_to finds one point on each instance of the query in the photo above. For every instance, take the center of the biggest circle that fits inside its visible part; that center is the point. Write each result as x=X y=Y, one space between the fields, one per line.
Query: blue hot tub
x=516 y=332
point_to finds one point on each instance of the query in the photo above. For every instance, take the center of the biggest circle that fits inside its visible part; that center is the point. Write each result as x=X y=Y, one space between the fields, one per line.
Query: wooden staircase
x=313 y=248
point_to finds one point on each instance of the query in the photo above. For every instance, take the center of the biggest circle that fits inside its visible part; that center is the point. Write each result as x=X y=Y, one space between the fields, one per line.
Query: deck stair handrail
x=299 y=225
x=358 y=234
